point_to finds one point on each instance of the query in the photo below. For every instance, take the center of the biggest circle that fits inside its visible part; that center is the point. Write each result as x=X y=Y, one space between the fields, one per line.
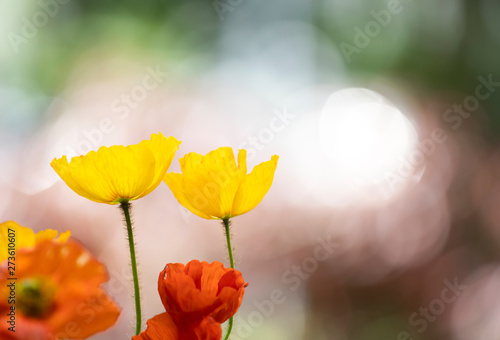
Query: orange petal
x=161 y=327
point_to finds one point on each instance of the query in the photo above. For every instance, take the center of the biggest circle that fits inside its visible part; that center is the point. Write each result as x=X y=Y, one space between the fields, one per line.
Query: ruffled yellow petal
x=64 y=237
x=51 y=235
x=254 y=187
x=164 y=150
x=176 y=184
x=119 y=173
x=44 y=235
x=211 y=181
x=25 y=238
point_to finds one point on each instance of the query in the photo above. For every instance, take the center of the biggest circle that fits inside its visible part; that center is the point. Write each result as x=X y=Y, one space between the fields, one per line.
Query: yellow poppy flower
x=119 y=173
x=213 y=187
x=25 y=238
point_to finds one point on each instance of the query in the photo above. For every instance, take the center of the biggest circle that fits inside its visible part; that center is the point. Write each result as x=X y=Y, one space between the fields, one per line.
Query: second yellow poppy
x=214 y=187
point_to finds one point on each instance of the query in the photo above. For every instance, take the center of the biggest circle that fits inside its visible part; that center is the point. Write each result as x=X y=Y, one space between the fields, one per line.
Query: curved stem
x=226 y=223
x=137 y=293
x=229 y=328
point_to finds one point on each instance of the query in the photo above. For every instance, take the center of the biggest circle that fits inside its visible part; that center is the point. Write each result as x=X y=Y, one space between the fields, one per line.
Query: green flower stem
x=137 y=292
x=229 y=328
x=226 y=223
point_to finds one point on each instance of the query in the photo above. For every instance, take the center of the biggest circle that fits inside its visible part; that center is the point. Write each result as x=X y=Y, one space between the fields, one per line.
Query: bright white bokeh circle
x=365 y=139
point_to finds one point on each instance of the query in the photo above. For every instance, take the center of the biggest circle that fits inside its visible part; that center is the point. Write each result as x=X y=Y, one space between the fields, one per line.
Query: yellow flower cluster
x=211 y=186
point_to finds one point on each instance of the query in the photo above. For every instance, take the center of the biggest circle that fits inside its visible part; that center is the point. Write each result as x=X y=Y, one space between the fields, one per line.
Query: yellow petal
x=164 y=150
x=45 y=235
x=211 y=181
x=176 y=184
x=254 y=187
x=242 y=161
x=51 y=235
x=63 y=238
x=118 y=173
x=23 y=238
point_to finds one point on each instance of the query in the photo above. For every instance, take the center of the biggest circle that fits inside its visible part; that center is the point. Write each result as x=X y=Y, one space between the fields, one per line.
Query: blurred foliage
x=434 y=46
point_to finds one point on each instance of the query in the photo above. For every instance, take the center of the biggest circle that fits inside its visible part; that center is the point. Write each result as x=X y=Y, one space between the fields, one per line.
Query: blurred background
x=381 y=221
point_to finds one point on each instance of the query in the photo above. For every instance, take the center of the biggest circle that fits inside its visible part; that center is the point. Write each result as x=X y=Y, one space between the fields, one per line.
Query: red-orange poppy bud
x=197 y=290
x=198 y=297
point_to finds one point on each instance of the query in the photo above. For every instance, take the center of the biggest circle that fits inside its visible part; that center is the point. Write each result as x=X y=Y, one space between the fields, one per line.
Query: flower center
x=36 y=297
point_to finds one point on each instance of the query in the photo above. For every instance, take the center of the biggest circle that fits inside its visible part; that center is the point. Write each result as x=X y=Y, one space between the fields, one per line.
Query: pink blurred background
x=387 y=182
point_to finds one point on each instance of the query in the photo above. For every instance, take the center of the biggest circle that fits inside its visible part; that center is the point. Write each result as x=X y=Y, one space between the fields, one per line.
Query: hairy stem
x=125 y=206
x=227 y=224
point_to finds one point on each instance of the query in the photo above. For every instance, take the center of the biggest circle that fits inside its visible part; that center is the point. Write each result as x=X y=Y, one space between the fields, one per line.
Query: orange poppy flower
x=199 y=289
x=162 y=327
x=198 y=297
x=57 y=294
